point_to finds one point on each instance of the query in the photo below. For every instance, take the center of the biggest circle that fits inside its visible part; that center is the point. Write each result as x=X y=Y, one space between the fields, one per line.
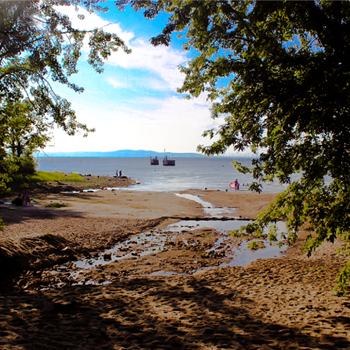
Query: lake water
x=214 y=173
x=188 y=173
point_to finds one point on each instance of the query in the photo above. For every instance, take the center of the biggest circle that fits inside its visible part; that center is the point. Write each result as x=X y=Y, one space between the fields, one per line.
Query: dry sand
x=284 y=303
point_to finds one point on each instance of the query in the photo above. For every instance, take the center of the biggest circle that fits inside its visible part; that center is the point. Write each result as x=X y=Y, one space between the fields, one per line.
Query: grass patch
x=20 y=182
x=51 y=181
x=47 y=176
x=56 y=205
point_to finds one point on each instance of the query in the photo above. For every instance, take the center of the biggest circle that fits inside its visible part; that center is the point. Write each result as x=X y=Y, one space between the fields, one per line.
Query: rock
x=107 y=256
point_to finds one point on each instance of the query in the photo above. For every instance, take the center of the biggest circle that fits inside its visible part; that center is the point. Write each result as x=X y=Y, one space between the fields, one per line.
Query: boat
x=167 y=161
x=154 y=160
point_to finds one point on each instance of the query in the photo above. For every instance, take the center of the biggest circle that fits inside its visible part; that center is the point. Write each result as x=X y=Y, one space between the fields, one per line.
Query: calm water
x=188 y=173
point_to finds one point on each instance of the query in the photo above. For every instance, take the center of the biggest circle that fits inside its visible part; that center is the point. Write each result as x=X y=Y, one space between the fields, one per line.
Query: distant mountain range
x=119 y=154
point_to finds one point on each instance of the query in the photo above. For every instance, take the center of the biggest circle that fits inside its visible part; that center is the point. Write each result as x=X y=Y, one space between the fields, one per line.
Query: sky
x=133 y=104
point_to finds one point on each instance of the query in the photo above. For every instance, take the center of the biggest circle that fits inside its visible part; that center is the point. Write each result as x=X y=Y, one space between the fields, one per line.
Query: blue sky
x=134 y=104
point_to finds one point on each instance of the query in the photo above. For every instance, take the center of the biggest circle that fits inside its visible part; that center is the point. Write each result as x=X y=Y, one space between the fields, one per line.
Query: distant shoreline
x=131 y=154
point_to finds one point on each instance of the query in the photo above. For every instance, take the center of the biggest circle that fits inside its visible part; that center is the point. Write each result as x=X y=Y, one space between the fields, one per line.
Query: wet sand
x=284 y=303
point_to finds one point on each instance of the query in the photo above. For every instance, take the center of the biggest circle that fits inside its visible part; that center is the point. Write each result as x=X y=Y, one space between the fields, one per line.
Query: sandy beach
x=46 y=303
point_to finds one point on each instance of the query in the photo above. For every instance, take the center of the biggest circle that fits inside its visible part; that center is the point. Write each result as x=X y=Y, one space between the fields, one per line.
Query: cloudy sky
x=134 y=103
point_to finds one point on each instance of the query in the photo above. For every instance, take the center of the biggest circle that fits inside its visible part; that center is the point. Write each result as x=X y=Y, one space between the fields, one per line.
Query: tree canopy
x=278 y=71
x=38 y=46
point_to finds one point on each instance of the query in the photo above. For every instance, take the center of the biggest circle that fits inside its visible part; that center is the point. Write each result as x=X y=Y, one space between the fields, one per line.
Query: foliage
x=38 y=46
x=343 y=278
x=22 y=129
x=253 y=245
x=278 y=73
x=236 y=234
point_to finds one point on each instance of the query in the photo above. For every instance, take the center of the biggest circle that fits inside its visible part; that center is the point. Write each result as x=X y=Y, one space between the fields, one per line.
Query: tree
x=39 y=45
x=279 y=74
x=22 y=132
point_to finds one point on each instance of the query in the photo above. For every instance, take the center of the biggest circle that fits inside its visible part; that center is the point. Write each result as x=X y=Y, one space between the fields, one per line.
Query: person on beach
x=120 y=173
x=26 y=200
x=236 y=185
x=18 y=200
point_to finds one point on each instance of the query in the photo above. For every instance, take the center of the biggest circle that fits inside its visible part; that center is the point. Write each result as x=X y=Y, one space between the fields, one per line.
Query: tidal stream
x=160 y=240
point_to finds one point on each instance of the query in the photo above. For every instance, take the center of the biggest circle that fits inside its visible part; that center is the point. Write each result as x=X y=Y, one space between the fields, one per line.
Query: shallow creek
x=219 y=223
x=208 y=207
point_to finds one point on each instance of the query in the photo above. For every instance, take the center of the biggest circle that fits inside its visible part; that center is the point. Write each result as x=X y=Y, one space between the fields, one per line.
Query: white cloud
x=132 y=81
x=145 y=123
x=173 y=123
x=116 y=83
x=154 y=84
x=161 y=60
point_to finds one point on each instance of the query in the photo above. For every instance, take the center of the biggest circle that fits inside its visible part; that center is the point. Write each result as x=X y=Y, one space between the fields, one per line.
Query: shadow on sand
x=146 y=313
